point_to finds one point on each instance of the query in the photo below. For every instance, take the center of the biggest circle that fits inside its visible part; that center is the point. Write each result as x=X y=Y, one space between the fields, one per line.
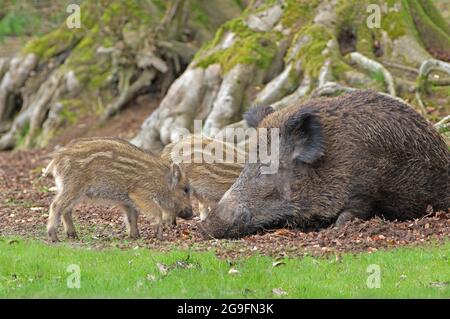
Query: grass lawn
x=33 y=269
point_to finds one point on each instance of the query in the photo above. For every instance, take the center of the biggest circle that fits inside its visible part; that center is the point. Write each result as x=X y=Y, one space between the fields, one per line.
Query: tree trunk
x=124 y=48
x=279 y=52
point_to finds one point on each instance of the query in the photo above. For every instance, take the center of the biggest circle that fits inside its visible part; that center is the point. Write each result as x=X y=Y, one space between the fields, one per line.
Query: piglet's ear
x=175 y=175
x=256 y=114
x=304 y=131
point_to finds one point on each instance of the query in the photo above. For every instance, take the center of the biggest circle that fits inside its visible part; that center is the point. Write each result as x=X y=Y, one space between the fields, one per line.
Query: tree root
x=190 y=97
x=283 y=83
x=426 y=68
x=48 y=92
x=19 y=70
x=290 y=71
x=374 y=67
x=228 y=103
x=128 y=91
x=443 y=125
x=298 y=94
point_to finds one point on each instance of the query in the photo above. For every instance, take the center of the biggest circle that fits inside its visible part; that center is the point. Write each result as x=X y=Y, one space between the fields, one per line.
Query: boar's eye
x=186 y=190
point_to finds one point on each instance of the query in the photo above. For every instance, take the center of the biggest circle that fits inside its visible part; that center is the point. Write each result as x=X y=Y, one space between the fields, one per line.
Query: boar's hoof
x=344 y=218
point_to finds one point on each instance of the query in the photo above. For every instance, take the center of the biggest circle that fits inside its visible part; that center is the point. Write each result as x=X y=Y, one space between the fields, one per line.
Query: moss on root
x=250 y=47
x=63 y=38
x=298 y=13
x=253 y=47
x=433 y=31
x=312 y=55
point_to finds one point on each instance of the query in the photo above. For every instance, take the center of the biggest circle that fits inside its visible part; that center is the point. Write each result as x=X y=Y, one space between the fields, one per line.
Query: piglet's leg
x=158 y=229
x=131 y=219
x=204 y=211
x=61 y=205
x=147 y=206
x=69 y=227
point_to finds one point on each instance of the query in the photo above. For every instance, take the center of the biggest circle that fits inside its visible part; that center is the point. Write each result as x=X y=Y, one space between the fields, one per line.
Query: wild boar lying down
x=114 y=171
x=355 y=156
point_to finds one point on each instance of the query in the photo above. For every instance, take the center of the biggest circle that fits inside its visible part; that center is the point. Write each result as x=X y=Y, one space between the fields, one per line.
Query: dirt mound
x=25 y=198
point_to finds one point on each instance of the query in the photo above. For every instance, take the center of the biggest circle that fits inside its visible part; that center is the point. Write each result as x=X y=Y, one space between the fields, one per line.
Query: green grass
x=33 y=269
x=29 y=17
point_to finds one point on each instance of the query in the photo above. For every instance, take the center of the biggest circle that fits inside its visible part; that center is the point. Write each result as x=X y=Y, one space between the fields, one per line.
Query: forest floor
x=25 y=198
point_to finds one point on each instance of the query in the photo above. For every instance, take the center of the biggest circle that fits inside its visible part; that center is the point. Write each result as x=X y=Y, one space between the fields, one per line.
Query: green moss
x=298 y=12
x=137 y=12
x=63 y=38
x=160 y=4
x=240 y=3
x=21 y=135
x=250 y=47
x=92 y=70
x=52 y=43
x=68 y=115
x=311 y=54
x=199 y=13
x=365 y=40
x=437 y=19
x=435 y=37
x=338 y=68
x=397 y=22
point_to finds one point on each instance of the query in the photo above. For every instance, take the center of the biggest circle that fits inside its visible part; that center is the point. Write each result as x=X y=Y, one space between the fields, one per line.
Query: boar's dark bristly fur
x=256 y=114
x=355 y=156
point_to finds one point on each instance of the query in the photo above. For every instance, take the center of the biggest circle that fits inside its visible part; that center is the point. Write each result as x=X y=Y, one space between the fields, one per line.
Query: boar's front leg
x=344 y=218
x=358 y=209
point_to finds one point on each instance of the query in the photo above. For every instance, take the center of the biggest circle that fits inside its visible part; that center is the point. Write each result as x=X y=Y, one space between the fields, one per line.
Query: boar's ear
x=175 y=175
x=304 y=130
x=256 y=114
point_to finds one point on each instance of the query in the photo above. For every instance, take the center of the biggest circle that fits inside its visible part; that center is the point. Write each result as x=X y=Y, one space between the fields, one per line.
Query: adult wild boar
x=355 y=156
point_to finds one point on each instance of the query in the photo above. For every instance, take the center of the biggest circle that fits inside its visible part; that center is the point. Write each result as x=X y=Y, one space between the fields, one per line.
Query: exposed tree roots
x=122 y=50
x=309 y=61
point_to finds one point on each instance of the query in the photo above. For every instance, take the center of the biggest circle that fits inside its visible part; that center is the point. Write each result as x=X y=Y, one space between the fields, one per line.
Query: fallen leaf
x=163 y=269
x=13 y=241
x=278 y=263
x=439 y=284
x=283 y=232
x=139 y=284
x=233 y=271
x=151 y=277
x=184 y=264
x=279 y=292
x=441 y=214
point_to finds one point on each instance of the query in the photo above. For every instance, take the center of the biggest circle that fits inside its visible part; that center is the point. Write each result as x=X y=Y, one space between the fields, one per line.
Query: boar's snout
x=186 y=213
x=221 y=224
